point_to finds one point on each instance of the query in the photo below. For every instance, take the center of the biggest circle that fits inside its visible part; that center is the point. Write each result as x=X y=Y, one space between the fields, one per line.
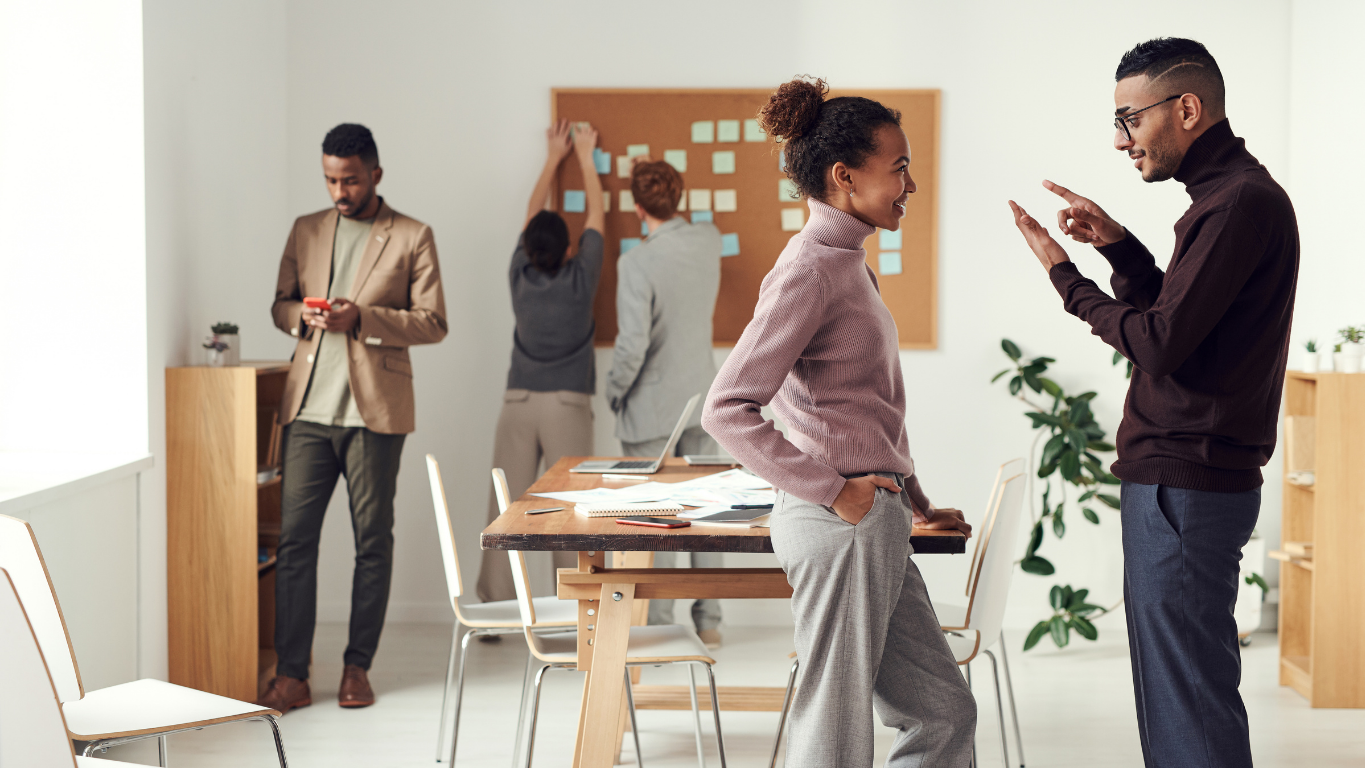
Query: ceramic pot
x=1310 y=362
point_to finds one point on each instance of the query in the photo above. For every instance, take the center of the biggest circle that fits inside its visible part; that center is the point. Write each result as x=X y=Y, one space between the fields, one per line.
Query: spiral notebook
x=608 y=509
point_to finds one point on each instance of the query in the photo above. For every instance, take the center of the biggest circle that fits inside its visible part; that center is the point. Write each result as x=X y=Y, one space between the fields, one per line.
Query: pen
x=751 y=506
x=542 y=511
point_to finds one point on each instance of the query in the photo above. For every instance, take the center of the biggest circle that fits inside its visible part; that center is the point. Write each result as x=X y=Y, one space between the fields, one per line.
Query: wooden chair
x=119 y=714
x=647 y=647
x=495 y=618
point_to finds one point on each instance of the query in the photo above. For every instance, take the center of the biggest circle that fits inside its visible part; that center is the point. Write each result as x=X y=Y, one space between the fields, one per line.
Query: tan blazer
x=398 y=290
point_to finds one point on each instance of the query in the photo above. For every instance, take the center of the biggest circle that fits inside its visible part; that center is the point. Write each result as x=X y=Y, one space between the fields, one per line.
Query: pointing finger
x=1063 y=192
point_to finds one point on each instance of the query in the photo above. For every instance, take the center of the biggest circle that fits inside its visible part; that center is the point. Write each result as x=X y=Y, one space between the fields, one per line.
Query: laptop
x=642 y=466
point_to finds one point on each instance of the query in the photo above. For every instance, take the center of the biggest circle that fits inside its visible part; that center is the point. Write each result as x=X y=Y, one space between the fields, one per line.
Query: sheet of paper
x=606 y=201
x=676 y=158
x=889 y=262
x=575 y=201
x=637 y=150
x=786 y=191
x=724 y=201
x=723 y=162
x=627 y=202
x=700 y=216
x=729 y=245
x=727 y=131
x=627 y=243
x=782 y=160
x=623 y=166
x=682 y=202
x=888 y=240
x=699 y=199
x=602 y=160
x=752 y=132
x=703 y=132
x=793 y=219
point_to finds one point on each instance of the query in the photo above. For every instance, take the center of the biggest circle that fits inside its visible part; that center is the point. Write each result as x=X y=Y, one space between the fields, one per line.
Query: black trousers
x=315 y=456
x=1181 y=552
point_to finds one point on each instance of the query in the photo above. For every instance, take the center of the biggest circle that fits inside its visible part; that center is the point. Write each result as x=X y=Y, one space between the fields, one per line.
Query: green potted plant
x=223 y=346
x=1351 y=348
x=1311 y=357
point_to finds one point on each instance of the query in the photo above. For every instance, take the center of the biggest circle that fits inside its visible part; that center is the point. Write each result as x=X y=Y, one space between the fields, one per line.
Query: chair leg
x=521 y=708
x=535 y=712
x=1000 y=710
x=458 y=648
x=274 y=724
x=696 y=716
x=1014 y=710
x=782 y=719
x=163 y=758
x=634 y=727
x=715 y=711
x=967 y=670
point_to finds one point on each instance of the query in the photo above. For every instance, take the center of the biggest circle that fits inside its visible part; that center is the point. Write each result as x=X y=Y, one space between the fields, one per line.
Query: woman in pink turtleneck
x=823 y=349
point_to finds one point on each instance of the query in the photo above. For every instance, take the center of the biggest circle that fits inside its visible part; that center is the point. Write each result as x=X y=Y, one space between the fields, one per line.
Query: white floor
x=1076 y=709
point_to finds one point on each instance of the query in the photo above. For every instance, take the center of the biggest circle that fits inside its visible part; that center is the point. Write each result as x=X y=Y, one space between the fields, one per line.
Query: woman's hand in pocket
x=855 y=500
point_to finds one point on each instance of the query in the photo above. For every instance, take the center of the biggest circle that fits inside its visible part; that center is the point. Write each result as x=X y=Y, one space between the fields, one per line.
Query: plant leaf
x=1077 y=598
x=1016 y=384
x=1051 y=386
x=1101 y=446
x=1061 y=633
x=1058 y=527
x=1087 y=396
x=1090 y=515
x=1038 y=566
x=1035 y=539
x=1035 y=634
x=1087 y=496
x=1056 y=598
x=1085 y=608
x=1117 y=357
x=1050 y=451
x=1070 y=464
x=1084 y=628
x=1041 y=419
x=997 y=376
x=1255 y=578
x=1047 y=469
x=1078 y=440
x=1031 y=379
x=1111 y=501
x=1012 y=349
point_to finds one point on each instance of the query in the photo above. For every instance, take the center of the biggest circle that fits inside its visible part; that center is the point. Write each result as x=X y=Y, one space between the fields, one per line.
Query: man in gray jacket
x=665 y=297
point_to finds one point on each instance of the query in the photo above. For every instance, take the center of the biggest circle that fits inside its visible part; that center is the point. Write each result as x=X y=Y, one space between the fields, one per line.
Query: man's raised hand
x=1047 y=250
x=1084 y=221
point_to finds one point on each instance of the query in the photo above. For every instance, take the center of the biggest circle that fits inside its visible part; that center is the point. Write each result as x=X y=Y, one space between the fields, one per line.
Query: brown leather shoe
x=355 y=688
x=286 y=693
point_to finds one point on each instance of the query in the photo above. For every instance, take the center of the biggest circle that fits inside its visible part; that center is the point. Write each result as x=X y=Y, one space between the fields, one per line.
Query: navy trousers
x=1181 y=552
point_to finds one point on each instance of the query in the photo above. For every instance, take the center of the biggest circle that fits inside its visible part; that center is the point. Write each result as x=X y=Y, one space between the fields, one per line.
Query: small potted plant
x=223 y=348
x=1311 y=356
x=1351 y=348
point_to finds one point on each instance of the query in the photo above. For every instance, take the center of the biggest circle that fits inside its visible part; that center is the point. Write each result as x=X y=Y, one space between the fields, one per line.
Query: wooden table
x=611 y=600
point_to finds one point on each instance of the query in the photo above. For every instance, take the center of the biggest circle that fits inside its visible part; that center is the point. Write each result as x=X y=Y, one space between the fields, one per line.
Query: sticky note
x=793 y=219
x=635 y=150
x=786 y=191
x=700 y=216
x=627 y=243
x=889 y=262
x=703 y=132
x=606 y=202
x=575 y=201
x=627 y=201
x=727 y=131
x=723 y=162
x=676 y=158
x=782 y=160
x=644 y=228
x=682 y=202
x=752 y=132
x=888 y=240
x=699 y=199
x=623 y=166
x=724 y=201
x=602 y=160
x=729 y=245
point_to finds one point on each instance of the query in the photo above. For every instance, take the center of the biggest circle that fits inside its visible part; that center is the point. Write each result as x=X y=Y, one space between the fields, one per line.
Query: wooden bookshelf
x=220 y=433
x=1322 y=575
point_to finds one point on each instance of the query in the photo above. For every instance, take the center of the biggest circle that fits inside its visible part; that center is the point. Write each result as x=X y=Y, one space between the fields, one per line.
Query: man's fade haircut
x=546 y=240
x=352 y=140
x=1176 y=66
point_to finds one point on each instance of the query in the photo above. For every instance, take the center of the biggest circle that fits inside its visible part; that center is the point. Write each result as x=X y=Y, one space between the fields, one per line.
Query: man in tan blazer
x=348 y=401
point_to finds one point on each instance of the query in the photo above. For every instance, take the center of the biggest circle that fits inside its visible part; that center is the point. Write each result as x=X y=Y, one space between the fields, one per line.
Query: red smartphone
x=317 y=303
x=654 y=522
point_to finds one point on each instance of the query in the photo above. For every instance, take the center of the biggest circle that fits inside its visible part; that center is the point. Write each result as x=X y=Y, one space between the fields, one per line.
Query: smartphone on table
x=316 y=303
x=654 y=522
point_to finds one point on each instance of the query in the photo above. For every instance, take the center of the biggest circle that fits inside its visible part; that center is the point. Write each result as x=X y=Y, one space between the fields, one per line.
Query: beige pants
x=534 y=427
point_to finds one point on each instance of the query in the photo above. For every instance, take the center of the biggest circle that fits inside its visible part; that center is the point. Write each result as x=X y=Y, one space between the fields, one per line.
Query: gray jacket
x=665 y=297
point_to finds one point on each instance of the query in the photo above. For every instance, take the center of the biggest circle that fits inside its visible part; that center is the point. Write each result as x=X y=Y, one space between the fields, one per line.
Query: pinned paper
x=699 y=199
x=627 y=201
x=635 y=150
x=793 y=219
x=700 y=216
x=752 y=132
x=727 y=131
x=575 y=201
x=782 y=160
x=602 y=160
x=606 y=202
x=627 y=243
x=723 y=162
x=682 y=202
x=623 y=166
x=786 y=191
x=888 y=240
x=889 y=262
x=703 y=132
x=644 y=228
x=724 y=201
x=729 y=245
x=676 y=158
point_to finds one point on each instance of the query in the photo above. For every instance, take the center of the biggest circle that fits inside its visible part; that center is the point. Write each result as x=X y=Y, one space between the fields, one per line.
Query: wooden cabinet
x=222 y=525
x=1322 y=577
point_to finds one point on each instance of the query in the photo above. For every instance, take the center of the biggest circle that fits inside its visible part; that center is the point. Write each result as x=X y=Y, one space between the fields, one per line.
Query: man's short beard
x=1165 y=158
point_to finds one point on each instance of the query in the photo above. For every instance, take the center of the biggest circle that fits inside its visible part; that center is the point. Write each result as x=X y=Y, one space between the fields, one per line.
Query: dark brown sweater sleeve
x=1201 y=284
x=1136 y=280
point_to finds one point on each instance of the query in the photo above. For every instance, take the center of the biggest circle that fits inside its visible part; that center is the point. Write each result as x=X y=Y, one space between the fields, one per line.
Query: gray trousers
x=705 y=613
x=867 y=636
x=1181 y=555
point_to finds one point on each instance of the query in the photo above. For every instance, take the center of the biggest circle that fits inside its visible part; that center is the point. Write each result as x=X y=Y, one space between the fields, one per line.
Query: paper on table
x=727 y=131
x=793 y=219
x=702 y=216
x=635 y=150
x=627 y=201
x=575 y=201
x=724 y=201
x=676 y=158
x=888 y=240
x=699 y=199
x=889 y=262
x=786 y=191
x=703 y=132
x=729 y=245
x=602 y=160
x=723 y=162
x=752 y=132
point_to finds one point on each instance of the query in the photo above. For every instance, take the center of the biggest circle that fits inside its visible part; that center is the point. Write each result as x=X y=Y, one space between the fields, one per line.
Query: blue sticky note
x=729 y=245
x=888 y=240
x=575 y=201
x=700 y=216
x=627 y=243
x=602 y=160
x=889 y=262
x=644 y=228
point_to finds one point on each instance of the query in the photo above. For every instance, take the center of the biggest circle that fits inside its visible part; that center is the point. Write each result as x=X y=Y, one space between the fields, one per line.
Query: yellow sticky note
x=723 y=162
x=793 y=219
x=627 y=201
x=727 y=131
x=703 y=132
x=623 y=166
x=724 y=201
x=753 y=133
x=786 y=191
x=635 y=150
x=676 y=158
x=606 y=201
x=699 y=199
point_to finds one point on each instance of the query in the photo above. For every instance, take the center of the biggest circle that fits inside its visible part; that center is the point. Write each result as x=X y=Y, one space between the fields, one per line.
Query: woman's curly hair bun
x=794 y=109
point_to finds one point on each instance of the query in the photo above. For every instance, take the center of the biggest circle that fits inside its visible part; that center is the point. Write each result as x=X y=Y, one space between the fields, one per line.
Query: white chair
x=119 y=714
x=647 y=647
x=496 y=618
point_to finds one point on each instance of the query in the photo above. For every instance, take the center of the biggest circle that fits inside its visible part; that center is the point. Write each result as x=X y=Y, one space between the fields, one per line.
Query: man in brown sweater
x=1208 y=339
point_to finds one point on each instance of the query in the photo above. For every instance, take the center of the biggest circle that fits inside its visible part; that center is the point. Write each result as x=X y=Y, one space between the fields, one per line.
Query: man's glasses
x=1121 y=122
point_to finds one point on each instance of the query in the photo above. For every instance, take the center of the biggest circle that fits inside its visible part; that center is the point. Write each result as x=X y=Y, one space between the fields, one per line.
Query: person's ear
x=842 y=178
x=377 y=174
x=1191 y=110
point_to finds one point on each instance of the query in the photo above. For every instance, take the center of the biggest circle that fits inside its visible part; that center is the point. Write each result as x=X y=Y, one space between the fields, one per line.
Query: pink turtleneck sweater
x=823 y=349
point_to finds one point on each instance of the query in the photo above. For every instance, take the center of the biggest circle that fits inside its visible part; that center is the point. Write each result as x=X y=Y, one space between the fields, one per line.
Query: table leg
x=639 y=617
x=606 y=680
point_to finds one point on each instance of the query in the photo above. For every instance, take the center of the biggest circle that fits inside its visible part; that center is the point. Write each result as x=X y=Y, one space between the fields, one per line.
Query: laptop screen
x=678 y=430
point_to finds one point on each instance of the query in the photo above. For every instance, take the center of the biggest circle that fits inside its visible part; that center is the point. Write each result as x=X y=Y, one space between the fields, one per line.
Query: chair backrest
x=1006 y=470
x=500 y=489
x=32 y=729
x=445 y=533
x=998 y=551
x=20 y=555
x=520 y=579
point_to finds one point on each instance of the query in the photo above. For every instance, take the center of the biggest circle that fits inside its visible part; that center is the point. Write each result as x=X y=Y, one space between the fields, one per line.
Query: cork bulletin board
x=752 y=207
